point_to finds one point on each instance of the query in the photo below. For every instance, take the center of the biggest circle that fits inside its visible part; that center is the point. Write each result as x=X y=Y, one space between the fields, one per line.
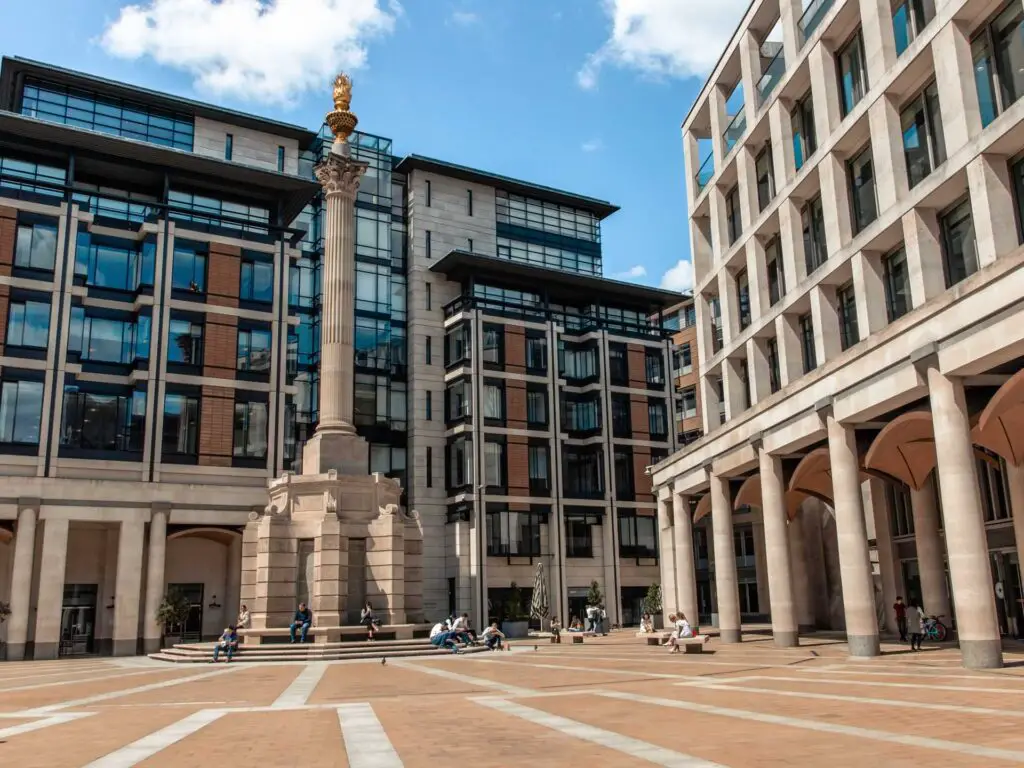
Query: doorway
x=192 y=632
x=356 y=579
x=78 y=620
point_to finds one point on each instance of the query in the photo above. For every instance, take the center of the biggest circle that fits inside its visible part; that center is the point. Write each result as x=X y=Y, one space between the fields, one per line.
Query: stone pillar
x=800 y=575
x=233 y=582
x=726 y=584
x=852 y=536
x=21 y=581
x=780 y=574
x=128 y=588
x=976 y=618
x=1015 y=483
x=666 y=553
x=764 y=600
x=329 y=590
x=887 y=562
x=385 y=567
x=686 y=570
x=51 y=589
x=277 y=563
x=931 y=562
x=335 y=444
x=152 y=632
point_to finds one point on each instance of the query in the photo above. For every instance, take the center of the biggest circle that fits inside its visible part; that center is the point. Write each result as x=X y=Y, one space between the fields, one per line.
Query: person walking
x=913 y=622
x=900 y=609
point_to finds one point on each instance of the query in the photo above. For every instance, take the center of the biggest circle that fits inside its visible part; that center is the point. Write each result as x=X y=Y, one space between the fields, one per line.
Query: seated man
x=301 y=623
x=460 y=626
x=443 y=638
x=556 y=629
x=228 y=643
x=492 y=637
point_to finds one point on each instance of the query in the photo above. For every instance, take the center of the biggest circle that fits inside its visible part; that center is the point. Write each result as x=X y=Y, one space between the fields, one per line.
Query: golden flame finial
x=341 y=120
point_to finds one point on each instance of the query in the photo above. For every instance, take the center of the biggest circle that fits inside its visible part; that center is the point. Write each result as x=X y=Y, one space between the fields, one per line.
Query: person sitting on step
x=492 y=637
x=443 y=638
x=368 y=620
x=301 y=623
x=228 y=643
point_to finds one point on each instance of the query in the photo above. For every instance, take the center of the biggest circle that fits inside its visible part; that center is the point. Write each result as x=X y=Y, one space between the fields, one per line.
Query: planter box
x=659 y=621
x=515 y=628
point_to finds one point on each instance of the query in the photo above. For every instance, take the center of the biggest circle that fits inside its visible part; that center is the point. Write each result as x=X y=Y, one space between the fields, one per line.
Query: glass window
x=684 y=359
x=860 y=171
x=494 y=401
x=774 y=377
x=688 y=400
x=494 y=464
x=715 y=308
x=494 y=345
x=185 y=342
x=457 y=346
x=765 y=177
x=28 y=324
x=846 y=305
x=459 y=400
x=254 y=350
x=621 y=421
x=103 y=422
x=250 y=441
x=999 y=62
x=536 y=405
x=579 y=541
x=538 y=460
x=280 y=159
x=853 y=75
x=547 y=217
x=189 y=270
x=181 y=425
x=732 y=214
x=657 y=418
x=114 y=264
x=460 y=463
x=21 y=411
x=583 y=472
x=638 y=536
x=536 y=352
x=923 y=142
x=623 y=465
x=909 y=19
x=959 y=247
x=229 y=146
x=581 y=412
x=256 y=282
x=805 y=141
x=897 y=284
x=513 y=534
x=743 y=298
x=654 y=367
x=815 y=244
x=810 y=357
x=776 y=277
x=36 y=246
x=618 y=368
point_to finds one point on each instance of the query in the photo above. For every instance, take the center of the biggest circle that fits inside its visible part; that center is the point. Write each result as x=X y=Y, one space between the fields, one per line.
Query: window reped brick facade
x=515 y=349
x=638 y=417
x=222 y=282
x=518 y=453
x=641 y=480
x=515 y=404
x=636 y=364
x=8 y=233
x=220 y=346
x=216 y=426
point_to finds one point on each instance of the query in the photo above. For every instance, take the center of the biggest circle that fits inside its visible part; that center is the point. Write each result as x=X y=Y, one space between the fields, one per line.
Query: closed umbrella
x=539 y=602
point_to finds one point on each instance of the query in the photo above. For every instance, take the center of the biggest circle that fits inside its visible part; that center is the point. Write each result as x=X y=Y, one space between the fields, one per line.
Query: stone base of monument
x=333 y=542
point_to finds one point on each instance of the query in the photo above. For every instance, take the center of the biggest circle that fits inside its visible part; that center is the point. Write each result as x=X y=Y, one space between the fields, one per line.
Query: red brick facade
x=224 y=268
x=216 y=427
x=636 y=363
x=518 y=449
x=515 y=349
x=220 y=346
x=639 y=420
x=641 y=480
x=515 y=404
x=8 y=233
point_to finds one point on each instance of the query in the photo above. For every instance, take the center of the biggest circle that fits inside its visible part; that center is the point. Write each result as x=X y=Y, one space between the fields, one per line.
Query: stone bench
x=318 y=635
x=693 y=644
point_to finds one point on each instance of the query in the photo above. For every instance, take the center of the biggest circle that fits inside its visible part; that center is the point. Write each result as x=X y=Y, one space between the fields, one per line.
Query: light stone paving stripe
x=676 y=657
x=853 y=699
x=813 y=725
x=147 y=746
x=298 y=693
x=68 y=670
x=630 y=672
x=478 y=681
x=83 y=702
x=46 y=722
x=366 y=743
x=114 y=675
x=626 y=744
x=882 y=684
x=924 y=672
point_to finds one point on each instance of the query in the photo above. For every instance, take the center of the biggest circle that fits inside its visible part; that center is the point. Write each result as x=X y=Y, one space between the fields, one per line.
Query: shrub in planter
x=172 y=615
x=652 y=604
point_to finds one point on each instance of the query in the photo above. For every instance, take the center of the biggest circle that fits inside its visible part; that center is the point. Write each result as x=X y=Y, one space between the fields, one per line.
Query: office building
x=855 y=198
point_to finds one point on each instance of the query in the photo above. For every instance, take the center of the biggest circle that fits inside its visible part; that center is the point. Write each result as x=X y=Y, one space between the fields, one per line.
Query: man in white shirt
x=461 y=627
x=492 y=637
x=591 y=618
x=442 y=638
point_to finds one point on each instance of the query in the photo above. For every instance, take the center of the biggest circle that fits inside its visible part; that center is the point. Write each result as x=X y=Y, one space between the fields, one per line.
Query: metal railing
x=771 y=77
x=812 y=17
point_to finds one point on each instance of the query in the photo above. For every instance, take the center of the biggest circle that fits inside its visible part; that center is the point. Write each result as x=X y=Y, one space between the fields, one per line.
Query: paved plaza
x=611 y=702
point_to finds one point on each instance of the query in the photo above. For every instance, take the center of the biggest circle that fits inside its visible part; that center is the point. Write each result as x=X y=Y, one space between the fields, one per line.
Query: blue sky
x=585 y=95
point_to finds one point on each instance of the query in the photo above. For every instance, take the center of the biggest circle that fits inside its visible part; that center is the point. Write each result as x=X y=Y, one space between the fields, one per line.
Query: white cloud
x=264 y=50
x=664 y=37
x=464 y=18
x=678 y=277
x=593 y=145
x=633 y=273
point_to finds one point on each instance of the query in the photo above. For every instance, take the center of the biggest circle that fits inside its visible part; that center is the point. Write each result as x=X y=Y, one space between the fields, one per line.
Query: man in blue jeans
x=300 y=622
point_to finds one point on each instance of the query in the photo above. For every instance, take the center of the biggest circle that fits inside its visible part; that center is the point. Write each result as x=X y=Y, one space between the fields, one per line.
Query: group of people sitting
x=680 y=628
x=455 y=632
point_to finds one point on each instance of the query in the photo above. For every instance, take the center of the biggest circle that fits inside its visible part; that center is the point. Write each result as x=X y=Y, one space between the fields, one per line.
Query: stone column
x=764 y=600
x=335 y=444
x=976 y=618
x=233 y=596
x=931 y=562
x=725 y=561
x=666 y=553
x=686 y=570
x=1015 y=483
x=800 y=575
x=128 y=587
x=852 y=537
x=888 y=564
x=152 y=632
x=21 y=581
x=51 y=589
x=780 y=574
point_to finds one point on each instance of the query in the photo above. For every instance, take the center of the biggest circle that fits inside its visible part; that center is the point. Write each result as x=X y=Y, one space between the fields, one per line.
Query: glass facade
x=547 y=234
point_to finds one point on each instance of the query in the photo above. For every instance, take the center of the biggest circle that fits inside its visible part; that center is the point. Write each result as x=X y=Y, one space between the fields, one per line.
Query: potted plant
x=652 y=605
x=5 y=611
x=516 y=623
x=172 y=615
x=596 y=599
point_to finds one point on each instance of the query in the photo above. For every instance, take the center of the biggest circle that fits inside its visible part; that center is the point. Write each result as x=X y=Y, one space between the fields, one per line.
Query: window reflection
x=21 y=407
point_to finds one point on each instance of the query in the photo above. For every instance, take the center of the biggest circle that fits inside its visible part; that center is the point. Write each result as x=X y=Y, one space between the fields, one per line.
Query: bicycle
x=933 y=629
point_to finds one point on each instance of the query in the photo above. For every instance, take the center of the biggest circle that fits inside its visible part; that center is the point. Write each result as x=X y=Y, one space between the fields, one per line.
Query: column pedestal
x=726 y=583
x=773 y=513
x=21 y=583
x=152 y=632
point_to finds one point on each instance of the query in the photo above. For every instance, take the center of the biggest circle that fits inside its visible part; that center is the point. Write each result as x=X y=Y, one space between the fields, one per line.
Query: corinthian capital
x=340 y=175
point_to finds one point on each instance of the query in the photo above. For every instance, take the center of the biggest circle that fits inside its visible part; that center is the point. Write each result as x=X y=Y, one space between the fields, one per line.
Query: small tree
x=594 y=596
x=652 y=601
x=514 y=604
x=5 y=611
x=173 y=611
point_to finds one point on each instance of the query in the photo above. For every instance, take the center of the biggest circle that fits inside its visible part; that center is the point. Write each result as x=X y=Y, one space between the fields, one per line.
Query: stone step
x=196 y=656
x=313 y=647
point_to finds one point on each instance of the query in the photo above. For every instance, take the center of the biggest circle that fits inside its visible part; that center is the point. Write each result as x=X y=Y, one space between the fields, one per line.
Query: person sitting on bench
x=682 y=630
x=492 y=637
x=368 y=620
x=556 y=629
x=228 y=643
x=301 y=623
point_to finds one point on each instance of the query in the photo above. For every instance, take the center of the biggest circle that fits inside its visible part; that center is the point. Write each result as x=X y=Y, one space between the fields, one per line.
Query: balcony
x=705 y=172
x=735 y=129
x=771 y=77
x=812 y=17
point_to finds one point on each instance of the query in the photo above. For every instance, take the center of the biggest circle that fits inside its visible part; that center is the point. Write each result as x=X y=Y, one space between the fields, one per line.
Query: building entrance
x=78 y=620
